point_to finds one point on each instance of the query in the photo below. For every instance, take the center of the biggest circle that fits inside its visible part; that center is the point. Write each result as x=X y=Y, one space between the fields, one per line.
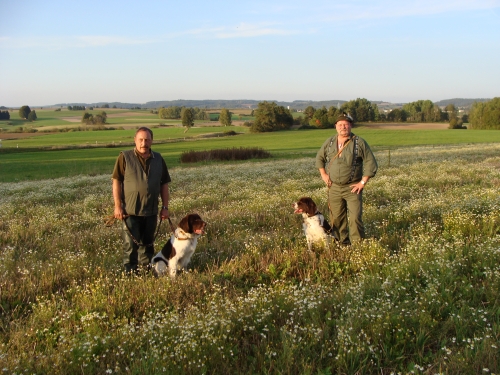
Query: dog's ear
x=311 y=207
x=184 y=224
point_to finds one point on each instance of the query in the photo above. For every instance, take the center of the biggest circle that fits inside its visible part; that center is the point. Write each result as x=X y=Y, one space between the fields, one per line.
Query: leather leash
x=111 y=219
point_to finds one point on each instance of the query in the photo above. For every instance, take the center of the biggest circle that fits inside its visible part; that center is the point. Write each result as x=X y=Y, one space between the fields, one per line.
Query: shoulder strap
x=354 y=157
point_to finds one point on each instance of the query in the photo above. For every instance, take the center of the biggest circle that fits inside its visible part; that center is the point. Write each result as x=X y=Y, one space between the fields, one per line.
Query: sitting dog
x=177 y=252
x=316 y=228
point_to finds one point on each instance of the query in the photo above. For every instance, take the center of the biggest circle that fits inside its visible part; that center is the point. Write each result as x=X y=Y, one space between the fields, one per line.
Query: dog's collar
x=179 y=232
x=317 y=213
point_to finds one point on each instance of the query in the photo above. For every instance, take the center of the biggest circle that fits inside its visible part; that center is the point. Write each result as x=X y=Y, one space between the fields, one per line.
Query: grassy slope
x=421 y=296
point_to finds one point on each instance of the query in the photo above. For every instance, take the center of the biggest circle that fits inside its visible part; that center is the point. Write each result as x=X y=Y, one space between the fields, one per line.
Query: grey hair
x=145 y=129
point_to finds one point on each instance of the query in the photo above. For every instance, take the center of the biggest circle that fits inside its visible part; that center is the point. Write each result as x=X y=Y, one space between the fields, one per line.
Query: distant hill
x=209 y=104
x=252 y=104
x=459 y=102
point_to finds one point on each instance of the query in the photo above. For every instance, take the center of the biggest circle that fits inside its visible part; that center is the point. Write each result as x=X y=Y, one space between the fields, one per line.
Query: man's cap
x=345 y=117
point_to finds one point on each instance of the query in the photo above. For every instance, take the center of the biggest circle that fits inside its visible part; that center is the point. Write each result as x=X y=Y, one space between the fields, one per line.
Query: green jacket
x=141 y=191
x=342 y=170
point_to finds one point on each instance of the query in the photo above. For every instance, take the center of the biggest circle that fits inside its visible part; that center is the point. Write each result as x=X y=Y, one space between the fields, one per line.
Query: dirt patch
x=72 y=119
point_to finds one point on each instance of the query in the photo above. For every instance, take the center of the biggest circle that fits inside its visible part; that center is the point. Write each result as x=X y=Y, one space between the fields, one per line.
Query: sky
x=399 y=51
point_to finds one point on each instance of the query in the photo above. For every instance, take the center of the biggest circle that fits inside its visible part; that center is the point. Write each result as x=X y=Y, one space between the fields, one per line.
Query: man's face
x=143 y=142
x=343 y=128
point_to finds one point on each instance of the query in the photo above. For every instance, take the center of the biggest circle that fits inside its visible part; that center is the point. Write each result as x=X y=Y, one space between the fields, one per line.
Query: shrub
x=224 y=155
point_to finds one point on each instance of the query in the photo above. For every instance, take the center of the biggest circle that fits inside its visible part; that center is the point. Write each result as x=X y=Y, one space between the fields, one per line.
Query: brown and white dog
x=179 y=249
x=316 y=228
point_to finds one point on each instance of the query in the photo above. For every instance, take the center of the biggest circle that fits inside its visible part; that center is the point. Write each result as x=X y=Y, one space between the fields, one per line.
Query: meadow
x=419 y=296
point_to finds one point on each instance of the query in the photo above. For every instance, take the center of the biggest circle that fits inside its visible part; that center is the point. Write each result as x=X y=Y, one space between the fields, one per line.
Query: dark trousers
x=142 y=228
x=346 y=209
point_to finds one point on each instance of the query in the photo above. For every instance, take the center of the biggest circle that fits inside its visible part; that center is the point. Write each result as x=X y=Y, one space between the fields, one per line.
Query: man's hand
x=164 y=214
x=119 y=213
x=357 y=188
x=325 y=177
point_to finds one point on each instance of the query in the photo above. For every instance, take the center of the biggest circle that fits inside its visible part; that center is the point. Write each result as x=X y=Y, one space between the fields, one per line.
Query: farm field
x=420 y=296
x=65 y=154
x=50 y=120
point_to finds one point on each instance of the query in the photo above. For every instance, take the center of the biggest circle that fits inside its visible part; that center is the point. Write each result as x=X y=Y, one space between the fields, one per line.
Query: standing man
x=140 y=177
x=346 y=163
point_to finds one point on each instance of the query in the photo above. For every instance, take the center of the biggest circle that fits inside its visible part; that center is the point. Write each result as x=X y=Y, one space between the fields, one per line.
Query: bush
x=224 y=155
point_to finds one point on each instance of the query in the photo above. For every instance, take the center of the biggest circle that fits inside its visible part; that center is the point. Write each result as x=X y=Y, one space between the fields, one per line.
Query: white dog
x=316 y=228
x=177 y=252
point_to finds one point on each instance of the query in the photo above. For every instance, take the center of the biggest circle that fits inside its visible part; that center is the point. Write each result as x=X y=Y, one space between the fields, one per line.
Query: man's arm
x=117 y=197
x=165 y=196
x=325 y=177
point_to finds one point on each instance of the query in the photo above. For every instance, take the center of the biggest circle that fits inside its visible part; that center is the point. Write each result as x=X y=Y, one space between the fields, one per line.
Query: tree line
x=485 y=115
x=4 y=115
x=176 y=112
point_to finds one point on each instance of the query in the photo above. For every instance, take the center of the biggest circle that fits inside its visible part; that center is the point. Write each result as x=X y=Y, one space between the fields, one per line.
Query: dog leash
x=111 y=219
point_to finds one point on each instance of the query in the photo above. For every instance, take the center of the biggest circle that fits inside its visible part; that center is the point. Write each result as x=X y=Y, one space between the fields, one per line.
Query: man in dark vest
x=346 y=163
x=140 y=177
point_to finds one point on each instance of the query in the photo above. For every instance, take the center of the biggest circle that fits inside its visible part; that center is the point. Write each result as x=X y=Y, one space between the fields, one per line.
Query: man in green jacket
x=140 y=177
x=346 y=163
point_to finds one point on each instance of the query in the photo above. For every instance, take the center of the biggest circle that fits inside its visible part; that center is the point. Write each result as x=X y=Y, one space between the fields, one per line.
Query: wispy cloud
x=245 y=30
x=345 y=12
x=82 y=41
x=100 y=40
x=241 y=30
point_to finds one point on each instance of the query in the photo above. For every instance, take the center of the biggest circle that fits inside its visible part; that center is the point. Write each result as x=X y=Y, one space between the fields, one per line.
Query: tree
x=423 y=111
x=269 y=117
x=320 y=118
x=187 y=118
x=396 y=115
x=24 y=111
x=485 y=115
x=32 y=116
x=332 y=114
x=173 y=112
x=225 y=117
x=360 y=109
x=4 y=115
x=309 y=112
x=100 y=118
x=87 y=118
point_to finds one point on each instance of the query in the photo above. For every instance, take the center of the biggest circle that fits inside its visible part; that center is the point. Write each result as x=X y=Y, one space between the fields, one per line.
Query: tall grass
x=420 y=296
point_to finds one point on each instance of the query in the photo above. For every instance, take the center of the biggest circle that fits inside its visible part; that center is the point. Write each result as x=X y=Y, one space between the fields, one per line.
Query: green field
x=94 y=152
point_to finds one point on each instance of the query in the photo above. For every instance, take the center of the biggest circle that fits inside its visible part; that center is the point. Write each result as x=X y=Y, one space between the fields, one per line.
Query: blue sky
x=69 y=51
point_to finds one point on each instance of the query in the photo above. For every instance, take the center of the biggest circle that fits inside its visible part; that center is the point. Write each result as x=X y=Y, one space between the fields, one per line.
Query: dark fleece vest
x=140 y=190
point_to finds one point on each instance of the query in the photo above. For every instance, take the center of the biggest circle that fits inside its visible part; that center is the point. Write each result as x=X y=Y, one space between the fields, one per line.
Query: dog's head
x=305 y=205
x=192 y=224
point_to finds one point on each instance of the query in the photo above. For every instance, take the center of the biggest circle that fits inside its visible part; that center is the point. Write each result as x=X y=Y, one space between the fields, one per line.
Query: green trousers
x=346 y=210
x=142 y=228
